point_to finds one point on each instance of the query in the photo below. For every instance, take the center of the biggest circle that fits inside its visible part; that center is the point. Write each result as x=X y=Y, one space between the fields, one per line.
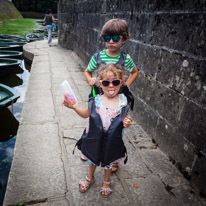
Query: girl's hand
x=67 y=103
x=92 y=81
x=126 y=122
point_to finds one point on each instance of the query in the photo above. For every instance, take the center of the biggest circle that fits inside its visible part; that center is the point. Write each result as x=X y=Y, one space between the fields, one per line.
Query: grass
x=21 y=26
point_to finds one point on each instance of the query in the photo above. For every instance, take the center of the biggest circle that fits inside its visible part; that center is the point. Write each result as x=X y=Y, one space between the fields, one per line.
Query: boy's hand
x=126 y=122
x=92 y=81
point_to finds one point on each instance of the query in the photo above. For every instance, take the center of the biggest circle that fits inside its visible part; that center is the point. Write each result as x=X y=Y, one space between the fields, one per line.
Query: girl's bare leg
x=107 y=174
x=92 y=169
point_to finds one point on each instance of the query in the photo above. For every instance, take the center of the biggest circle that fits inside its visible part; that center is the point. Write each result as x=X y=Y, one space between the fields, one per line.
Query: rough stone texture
x=38 y=165
x=168 y=44
x=44 y=170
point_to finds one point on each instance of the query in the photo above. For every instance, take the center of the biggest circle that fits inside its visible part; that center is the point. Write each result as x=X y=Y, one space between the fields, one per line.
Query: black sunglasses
x=115 y=82
x=114 y=38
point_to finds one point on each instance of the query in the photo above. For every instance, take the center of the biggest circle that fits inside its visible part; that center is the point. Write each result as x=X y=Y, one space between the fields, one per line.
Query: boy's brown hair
x=115 y=27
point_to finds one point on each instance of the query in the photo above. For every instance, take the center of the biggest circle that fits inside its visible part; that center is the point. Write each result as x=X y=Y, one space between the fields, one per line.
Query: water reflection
x=9 y=122
x=12 y=80
x=9 y=125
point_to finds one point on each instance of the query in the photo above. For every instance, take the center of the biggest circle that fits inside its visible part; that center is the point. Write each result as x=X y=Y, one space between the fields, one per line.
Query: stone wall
x=168 y=45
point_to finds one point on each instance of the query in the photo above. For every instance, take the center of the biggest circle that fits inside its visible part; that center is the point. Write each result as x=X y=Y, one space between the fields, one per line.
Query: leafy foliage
x=18 y=26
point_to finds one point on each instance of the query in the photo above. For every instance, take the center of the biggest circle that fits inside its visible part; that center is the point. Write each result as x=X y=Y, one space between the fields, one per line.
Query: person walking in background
x=49 y=20
x=102 y=140
x=115 y=34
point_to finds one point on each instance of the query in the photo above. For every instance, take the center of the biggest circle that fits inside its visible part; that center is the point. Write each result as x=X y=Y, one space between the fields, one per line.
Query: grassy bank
x=18 y=26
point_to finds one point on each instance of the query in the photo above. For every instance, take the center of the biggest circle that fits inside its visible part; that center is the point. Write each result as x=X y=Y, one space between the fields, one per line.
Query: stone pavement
x=44 y=170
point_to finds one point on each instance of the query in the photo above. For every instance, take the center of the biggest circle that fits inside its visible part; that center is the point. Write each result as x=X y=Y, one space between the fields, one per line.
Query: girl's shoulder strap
x=91 y=104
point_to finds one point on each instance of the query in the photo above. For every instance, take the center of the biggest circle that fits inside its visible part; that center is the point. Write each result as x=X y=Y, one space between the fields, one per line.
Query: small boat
x=39 y=31
x=10 y=54
x=8 y=62
x=12 y=37
x=17 y=46
x=5 y=40
x=11 y=40
x=13 y=43
x=39 y=21
x=8 y=65
x=8 y=96
x=34 y=37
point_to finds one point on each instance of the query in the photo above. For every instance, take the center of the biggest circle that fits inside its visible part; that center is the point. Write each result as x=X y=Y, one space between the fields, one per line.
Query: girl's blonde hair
x=116 y=69
x=115 y=27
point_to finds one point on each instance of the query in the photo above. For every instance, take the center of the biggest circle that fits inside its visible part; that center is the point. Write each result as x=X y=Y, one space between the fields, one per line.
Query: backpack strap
x=98 y=59
x=120 y=62
x=78 y=145
x=122 y=58
x=126 y=158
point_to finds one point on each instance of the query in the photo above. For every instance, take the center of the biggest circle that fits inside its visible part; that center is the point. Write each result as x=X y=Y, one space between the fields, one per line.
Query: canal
x=9 y=122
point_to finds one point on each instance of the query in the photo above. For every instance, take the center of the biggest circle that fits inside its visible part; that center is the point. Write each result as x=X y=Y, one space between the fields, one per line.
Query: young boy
x=115 y=34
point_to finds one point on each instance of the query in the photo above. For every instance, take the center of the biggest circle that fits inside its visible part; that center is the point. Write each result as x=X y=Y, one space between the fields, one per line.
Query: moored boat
x=12 y=37
x=10 y=54
x=13 y=43
x=11 y=40
x=34 y=37
x=8 y=62
x=8 y=96
x=17 y=46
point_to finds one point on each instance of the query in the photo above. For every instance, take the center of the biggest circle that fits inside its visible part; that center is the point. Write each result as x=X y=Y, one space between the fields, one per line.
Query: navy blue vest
x=100 y=146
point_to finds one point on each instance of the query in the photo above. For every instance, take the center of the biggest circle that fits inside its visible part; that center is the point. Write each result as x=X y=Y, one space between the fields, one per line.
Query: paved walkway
x=44 y=170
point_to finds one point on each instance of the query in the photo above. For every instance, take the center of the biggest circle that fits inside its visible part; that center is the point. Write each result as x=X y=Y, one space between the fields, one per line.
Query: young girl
x=102 y=140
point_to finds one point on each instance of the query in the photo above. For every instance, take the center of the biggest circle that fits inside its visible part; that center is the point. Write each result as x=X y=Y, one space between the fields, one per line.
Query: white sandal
x=84 y=186
x=106 y=189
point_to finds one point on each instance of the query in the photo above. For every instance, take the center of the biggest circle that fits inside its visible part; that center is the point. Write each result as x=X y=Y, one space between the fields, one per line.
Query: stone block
x=175 y=146
x=166 y=102
x=168 y=31
x=139 y=5
x=144 y=194
x=175 y=5
x=146 y=116
x=149 y=60
x=168 y=63
x=198 y=175
x=192 y=125
x=189 y=78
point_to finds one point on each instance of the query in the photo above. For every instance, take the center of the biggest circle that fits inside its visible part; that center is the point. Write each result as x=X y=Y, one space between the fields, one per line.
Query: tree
x=36 y=5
